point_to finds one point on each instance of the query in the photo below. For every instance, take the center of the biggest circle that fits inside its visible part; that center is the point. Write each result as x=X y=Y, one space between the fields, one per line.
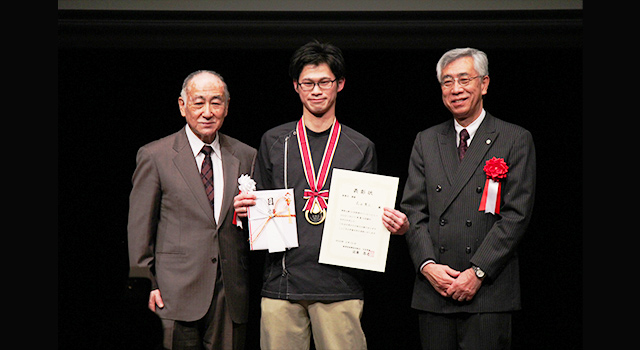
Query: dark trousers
x=491 y=330
x=215 y=330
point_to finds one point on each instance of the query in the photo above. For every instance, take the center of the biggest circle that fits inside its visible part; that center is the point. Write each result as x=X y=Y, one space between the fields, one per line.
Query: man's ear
x=182 y=106
x=226 y=107
x=485 y=84
x=340 y=84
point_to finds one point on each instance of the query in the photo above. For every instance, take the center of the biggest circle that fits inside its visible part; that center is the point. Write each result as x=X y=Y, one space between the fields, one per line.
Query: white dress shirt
x=216 y=160
x=471 y=128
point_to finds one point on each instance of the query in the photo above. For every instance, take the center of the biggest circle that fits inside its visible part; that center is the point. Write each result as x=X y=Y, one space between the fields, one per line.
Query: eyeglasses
x=448 y=82
x=323 y=84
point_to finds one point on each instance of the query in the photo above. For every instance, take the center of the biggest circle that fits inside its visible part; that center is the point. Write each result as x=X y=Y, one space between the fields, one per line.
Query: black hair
x=316 y=53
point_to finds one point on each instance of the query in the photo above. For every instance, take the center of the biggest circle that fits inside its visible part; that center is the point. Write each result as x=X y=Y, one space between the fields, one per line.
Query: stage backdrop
x=119 y=77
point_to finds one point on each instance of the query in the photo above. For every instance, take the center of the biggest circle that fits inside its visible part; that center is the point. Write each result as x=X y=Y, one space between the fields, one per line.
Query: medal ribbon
x=316 y=193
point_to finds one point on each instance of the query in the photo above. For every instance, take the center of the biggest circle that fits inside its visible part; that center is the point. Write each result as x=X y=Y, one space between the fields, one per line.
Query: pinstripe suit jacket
x=441 y=199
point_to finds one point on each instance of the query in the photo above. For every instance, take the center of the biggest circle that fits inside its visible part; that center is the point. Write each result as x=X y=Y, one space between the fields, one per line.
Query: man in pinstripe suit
x=467 y=279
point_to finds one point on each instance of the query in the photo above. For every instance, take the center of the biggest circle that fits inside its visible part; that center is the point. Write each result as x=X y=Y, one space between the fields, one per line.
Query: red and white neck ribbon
x=315 y=193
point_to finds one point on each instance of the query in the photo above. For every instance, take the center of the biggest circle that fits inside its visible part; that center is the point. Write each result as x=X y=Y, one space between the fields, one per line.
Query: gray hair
x=480 y=60
x=187 y=80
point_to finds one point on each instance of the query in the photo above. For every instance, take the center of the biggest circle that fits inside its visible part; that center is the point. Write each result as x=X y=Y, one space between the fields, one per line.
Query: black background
x=119 y=77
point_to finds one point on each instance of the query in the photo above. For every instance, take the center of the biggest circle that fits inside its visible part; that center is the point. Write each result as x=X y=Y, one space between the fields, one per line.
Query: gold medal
x=316 y=215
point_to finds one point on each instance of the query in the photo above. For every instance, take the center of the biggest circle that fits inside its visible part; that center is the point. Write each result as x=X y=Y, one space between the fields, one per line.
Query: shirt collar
x=197 y=144
x=471 y=128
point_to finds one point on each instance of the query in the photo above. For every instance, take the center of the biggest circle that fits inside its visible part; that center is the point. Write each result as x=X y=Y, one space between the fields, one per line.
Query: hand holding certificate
x=354 y=235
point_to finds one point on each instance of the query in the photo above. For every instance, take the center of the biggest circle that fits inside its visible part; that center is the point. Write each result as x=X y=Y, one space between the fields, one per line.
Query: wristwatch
x=479 y=272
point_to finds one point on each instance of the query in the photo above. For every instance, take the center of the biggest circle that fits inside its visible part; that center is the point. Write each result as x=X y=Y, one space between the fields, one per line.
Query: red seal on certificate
x=496 y=170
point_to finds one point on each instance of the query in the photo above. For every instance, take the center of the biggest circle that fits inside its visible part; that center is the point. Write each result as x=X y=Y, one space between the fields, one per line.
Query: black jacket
x=296 y=273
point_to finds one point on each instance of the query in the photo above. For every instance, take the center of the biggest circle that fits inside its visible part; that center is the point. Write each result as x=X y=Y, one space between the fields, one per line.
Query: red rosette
x=496 y=169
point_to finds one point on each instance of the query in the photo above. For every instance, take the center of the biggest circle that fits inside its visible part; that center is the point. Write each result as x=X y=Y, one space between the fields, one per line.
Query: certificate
x=354 y=235
x=272 y=221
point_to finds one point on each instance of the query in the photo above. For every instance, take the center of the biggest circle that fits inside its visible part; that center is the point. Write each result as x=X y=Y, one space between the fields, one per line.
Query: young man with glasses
x=300 y=295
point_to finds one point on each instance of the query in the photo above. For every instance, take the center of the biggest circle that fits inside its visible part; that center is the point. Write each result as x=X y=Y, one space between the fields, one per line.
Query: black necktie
x=462 y=148
x=207 y=173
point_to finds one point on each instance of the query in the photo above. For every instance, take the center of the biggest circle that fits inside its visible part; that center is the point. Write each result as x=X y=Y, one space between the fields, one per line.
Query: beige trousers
x=288 y=324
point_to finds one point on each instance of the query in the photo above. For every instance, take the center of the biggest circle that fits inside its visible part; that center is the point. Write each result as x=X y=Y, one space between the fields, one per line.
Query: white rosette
x=245 y=185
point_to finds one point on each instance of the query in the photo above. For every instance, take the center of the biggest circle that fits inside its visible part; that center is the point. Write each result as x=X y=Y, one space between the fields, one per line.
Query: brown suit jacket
x=173 y=235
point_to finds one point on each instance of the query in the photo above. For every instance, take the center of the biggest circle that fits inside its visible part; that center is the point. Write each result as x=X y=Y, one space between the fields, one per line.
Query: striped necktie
x=462 y=148
x=207 y=173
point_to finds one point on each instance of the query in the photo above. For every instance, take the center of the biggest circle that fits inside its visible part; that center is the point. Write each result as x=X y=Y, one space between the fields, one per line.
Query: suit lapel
x=230 y=170
x=448 y=152
x=475 y=155
x=187 y=167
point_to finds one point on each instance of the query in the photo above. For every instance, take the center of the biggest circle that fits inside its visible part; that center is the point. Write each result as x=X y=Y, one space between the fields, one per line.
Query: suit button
x=214 y=260
x=442 y=249
x=479 y=189
x=443 y=222
x=438 y=188
x=468 y=223
x=468 y=250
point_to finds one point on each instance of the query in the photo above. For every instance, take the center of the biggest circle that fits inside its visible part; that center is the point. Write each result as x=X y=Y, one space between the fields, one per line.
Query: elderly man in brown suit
x=180 y=223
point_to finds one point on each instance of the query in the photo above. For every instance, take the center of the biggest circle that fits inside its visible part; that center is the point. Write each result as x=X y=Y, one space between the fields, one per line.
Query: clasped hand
x=460 y=286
